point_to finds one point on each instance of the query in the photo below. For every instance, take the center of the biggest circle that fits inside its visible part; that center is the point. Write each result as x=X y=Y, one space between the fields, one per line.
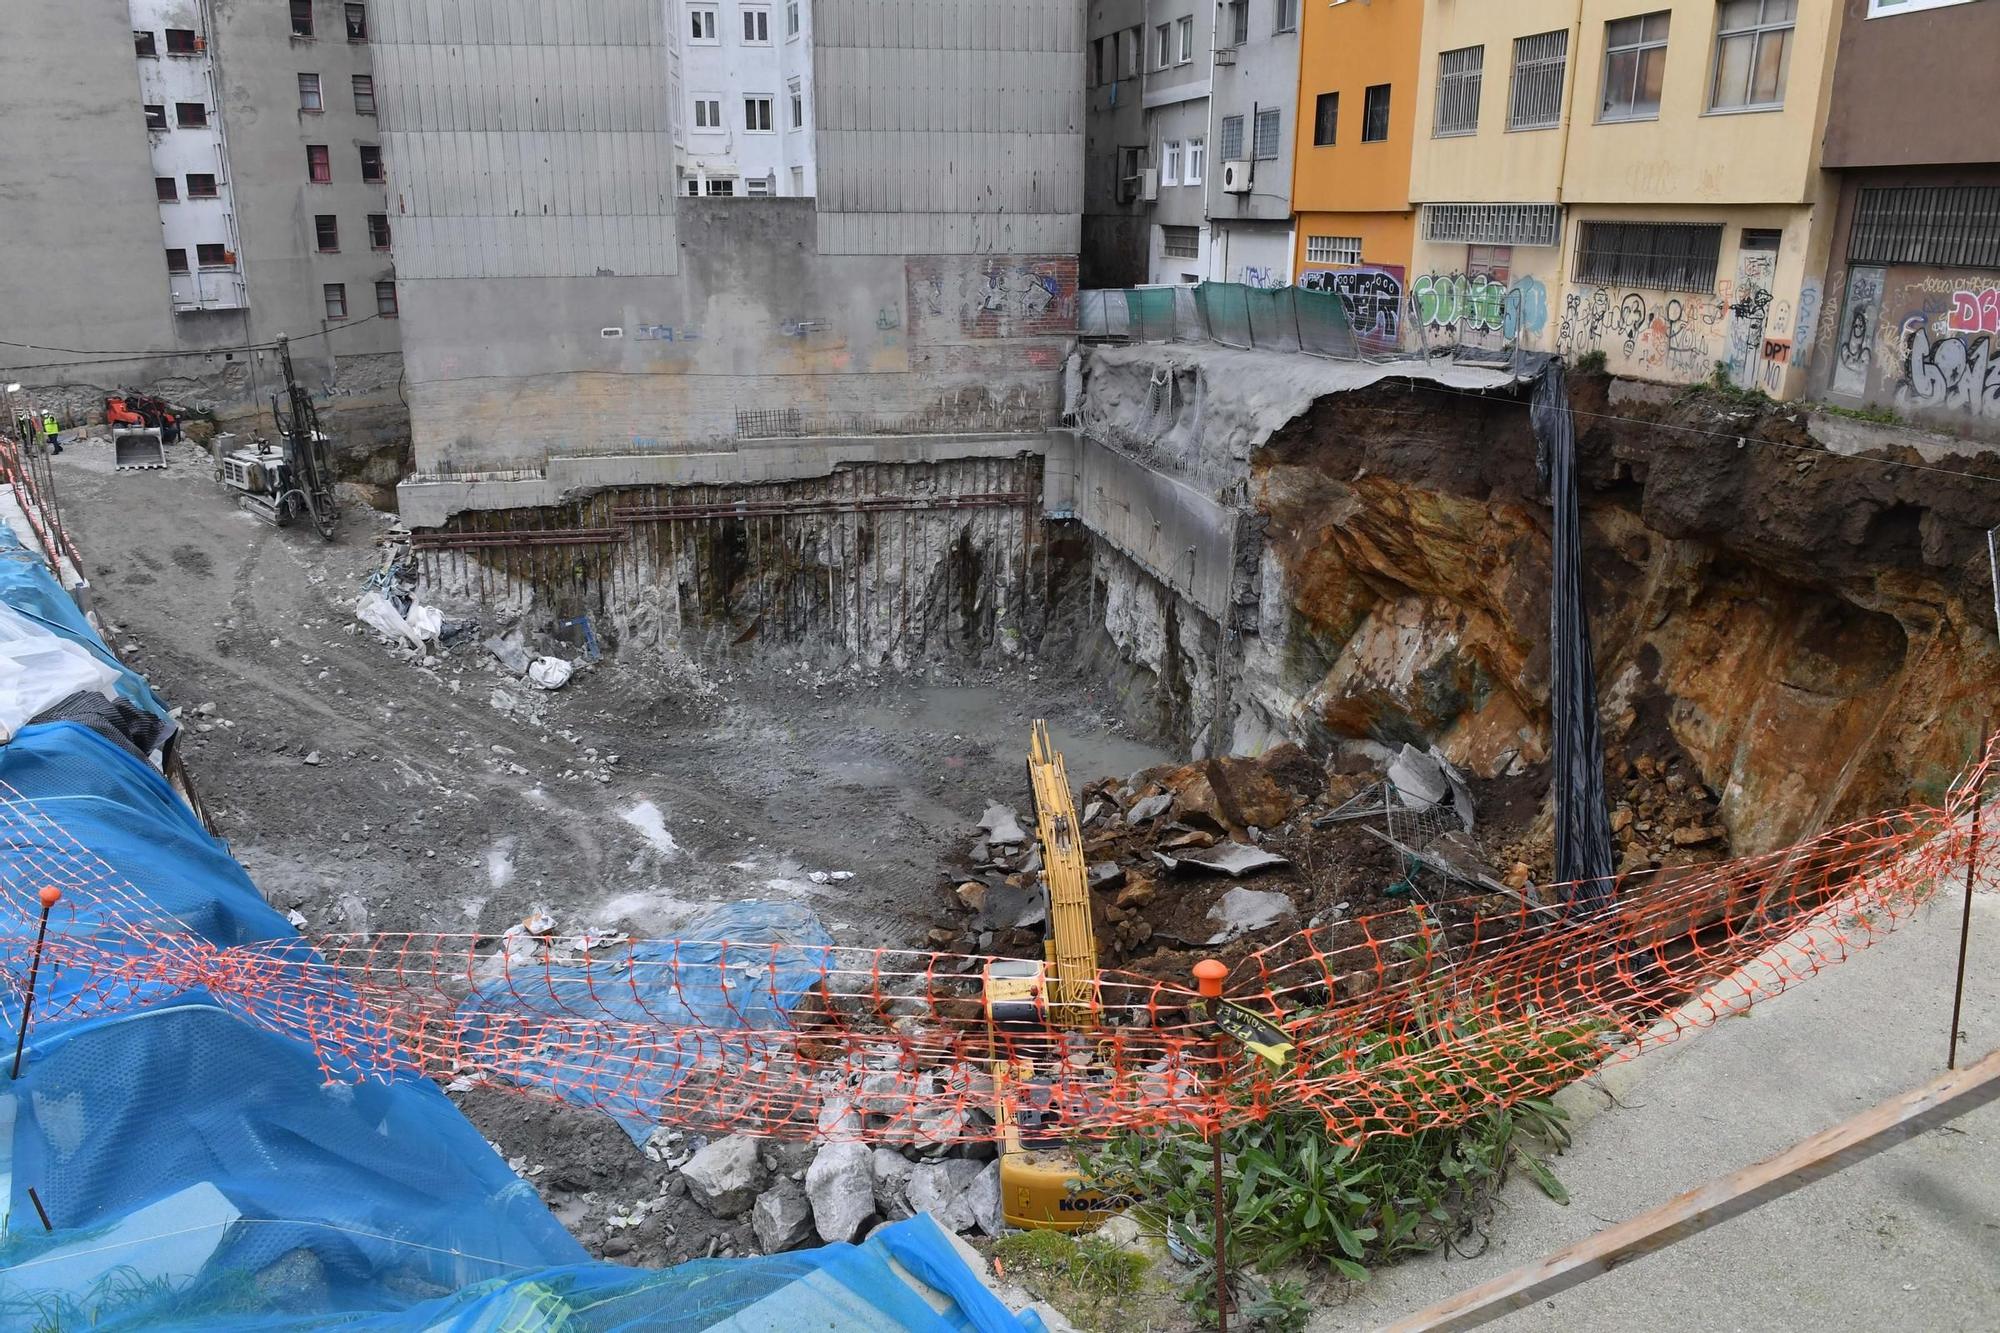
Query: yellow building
x=1351 y=165
x=1595 y=176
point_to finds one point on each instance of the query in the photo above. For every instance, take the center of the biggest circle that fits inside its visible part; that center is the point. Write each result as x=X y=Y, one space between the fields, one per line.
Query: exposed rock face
x=1815 y=632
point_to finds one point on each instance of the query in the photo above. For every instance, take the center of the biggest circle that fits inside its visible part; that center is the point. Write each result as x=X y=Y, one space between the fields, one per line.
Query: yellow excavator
x=1040 y=1182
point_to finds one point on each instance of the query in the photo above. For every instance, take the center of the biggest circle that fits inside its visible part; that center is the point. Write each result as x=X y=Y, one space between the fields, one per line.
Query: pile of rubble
x=1661 y=816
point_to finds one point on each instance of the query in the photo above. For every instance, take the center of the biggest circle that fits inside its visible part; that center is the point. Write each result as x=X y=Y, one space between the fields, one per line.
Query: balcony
x=208 y=289
x=1225 y=55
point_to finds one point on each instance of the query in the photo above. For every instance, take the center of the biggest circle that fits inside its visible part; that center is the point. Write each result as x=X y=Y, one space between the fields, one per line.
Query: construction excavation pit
x=767 y=845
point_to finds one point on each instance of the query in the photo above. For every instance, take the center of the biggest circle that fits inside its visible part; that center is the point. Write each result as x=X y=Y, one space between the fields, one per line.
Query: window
x=326 y=234
x=1753 y=48
x=1666 y=256
x=319 y=167
x=1459 y=76
x=1951 y=226
x=708 y=113
x=756 y=26
x=1287 y=12
x=791 y=18
x=190 y=115
x=1326 y=119
x=214 y=255
x=1239 y=22
x=385 y=300
x=336 y=300
x=1635 y=63
x=1535 y=101
x=721 y=187
x=1129 y=161
x=1232 y=138
x=167 y=189
x=757 y=188
x=378 y=231
x=701 y=25
x=1128 y=54
x=357 y=23
x=143 y=43
x=156 y=117
x=1765 y=239
x=1163 y=45
x=1170 y=162
x=799 y=182
x=798 y=98
x=364 y=95
x=1493 y=224
x=1264 y=144
x=1107 y=58
x=309 y=99
x=302 y=18
x=1184 y=51
x=1180 y=242
x=1495 y=261
x=694 y=186
x=371 y=163
x=1375 y=114
x=1884 y=8
x=177 y=261
x=1333 y=249
x=757 y=114
x=182 y=42
x=201 y=185
x=1197 y=160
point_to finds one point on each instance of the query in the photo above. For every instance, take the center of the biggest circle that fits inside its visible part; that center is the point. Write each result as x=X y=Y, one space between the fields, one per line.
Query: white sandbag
x=551 y=673
x=417 y=629
x=39 y=668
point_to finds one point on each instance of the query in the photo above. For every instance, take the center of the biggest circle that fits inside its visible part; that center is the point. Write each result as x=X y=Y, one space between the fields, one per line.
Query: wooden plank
x=1901 y=1117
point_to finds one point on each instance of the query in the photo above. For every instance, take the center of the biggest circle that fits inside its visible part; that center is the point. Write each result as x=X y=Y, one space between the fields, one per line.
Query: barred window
x=1232 y=137
x=1665 y=256
x=1375 y=113
x=1493 y=224
x=1459 y=75
x=1180 y=242
x=1535 y=101
x=1955 y=226
x=1265 y=146
x=1333 y=249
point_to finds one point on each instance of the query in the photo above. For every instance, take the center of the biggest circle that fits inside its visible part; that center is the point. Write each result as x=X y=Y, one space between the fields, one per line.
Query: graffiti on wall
x=1927 y=344
x=1462 y=305
x=1261 y=275
x=995 y=298
x=1663 y=336
x=1862 y=314
x=1371 y=295
x=1975 y=312
x=1948 y=372
x=1750 y=317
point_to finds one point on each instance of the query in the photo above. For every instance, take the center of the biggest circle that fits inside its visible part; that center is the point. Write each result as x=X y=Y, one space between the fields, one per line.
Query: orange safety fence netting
x=1401 y=1020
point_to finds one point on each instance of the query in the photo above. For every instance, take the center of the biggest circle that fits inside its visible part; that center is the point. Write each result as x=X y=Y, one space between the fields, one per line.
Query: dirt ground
x=371 y=794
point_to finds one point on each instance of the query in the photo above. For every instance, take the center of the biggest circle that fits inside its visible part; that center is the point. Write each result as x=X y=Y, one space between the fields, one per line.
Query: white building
x=745 y=124
x=177 y=92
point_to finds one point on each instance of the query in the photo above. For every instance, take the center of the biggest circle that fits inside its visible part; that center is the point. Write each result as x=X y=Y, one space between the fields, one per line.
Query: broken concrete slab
x=1146 y=811
x=1428 y=780
x=1234 y=859
x=1241 y=911
x=1002 y=826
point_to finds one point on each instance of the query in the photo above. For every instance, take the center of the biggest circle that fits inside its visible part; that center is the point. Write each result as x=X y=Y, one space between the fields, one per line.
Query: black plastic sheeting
x=119 y=721
x=1583 y=821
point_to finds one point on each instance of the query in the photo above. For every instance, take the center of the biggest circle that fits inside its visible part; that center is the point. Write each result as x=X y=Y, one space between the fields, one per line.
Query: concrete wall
x=953 y=127
x=1175 y=533
x=1881 y=116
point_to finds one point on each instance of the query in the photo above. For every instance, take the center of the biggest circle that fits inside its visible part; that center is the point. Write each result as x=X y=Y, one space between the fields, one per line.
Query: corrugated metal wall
x=527 y=138
x=949 y=126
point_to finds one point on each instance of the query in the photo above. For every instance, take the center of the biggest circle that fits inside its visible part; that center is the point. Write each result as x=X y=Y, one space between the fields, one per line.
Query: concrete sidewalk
x=1907 y=1240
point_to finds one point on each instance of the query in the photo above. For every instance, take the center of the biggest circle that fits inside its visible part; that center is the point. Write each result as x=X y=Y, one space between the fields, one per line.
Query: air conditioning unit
x=1225 y=55
x=1149 y=184
x=1236 y=176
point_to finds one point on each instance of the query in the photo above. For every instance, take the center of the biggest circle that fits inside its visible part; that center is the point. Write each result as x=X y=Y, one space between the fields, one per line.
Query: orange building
x=1351 y=166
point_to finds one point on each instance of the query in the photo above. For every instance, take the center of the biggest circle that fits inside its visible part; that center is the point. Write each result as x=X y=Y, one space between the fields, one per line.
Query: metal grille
x=1665 y=256
x=1180 y=242
x=1333 y=249
x=1493 y=224
x=1955 y=226
x=1459 y=75
x=1266 y=142
x=1536 y=100
x=1232 y=137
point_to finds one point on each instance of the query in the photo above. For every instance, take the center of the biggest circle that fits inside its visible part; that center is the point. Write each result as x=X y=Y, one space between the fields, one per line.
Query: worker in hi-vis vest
x=52 y=432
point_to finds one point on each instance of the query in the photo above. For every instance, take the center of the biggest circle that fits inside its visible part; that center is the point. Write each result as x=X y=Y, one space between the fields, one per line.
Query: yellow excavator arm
x=1072 y=940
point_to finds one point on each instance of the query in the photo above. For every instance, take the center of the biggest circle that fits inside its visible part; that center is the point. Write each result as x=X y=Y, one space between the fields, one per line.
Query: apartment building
x=1253 y=105
x=746 y=97
x=201 y=178
x=1907 y=316
x=1357 y=86
x=1174 y=169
